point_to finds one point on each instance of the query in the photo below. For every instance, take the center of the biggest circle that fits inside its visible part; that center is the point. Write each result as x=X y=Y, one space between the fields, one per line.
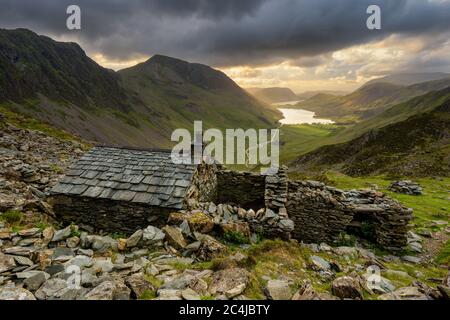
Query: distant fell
x=273 y=95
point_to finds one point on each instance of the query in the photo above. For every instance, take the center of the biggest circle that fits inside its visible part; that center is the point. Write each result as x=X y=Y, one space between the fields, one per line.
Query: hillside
x=273 y=95
x=416 y=146
x=368 y=101
x=407 y=79
x=309 y=94
x=31 y=65
x=59 y=84
x=181 y=92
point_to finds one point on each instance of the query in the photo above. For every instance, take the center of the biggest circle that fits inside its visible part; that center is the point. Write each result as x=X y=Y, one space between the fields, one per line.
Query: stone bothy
x=122 y=190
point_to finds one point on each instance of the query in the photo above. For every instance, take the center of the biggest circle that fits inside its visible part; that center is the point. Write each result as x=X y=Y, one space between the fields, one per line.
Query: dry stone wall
x=203 y=187
x=245 y=189
x=321 y=213
x=107 y=215
x=276 y=190
x=317 y=214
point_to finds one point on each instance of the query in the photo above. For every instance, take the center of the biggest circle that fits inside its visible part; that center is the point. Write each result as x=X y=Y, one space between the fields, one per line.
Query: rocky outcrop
x=406 y=187
x=32 y=162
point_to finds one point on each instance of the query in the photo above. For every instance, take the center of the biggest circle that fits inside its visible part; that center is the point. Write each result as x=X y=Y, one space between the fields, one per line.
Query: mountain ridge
x=56 y=82
x=367 y=101
x=409 y=139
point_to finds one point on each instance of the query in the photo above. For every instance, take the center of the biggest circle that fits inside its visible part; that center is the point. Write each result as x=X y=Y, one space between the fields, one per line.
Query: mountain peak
x=162 y=59
x=168 y=69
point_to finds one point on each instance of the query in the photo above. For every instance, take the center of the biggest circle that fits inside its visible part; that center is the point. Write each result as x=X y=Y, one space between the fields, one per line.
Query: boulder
x=29 y=232
x=18 y=251
x=286 y=225
x=8 y=293
x=445 y=291
x=62 y=234
x=175 y=237
x=121 y=244
x=103 y=244
x=406 y=293
x=240 y=227
x=6 y=263
x=412 y=259
x=278 y=290
x=72 y=242
x=102 y=264
x=229 y=282
x=104 y=291
x=85 y=252
x=48 y=234
x=189 y=294
x=80 y=261
x=319 y=263
x=346 y=288
x=406 y=187
x=52 y=288
x=138 y=284
x=152 y=236
x=61 y=253
x=169 y=294
x=209 y=247
x=180 y=282
x=134 y=239
x=33 y=283
x=307 y=292
x=5 y=234
x=23 y=261
x=198 y=221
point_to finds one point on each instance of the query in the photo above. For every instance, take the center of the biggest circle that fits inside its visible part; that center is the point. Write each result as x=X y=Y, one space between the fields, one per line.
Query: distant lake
x=300 y=116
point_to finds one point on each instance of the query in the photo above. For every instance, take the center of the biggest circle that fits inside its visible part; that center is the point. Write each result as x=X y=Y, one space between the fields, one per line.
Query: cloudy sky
x=301 y=44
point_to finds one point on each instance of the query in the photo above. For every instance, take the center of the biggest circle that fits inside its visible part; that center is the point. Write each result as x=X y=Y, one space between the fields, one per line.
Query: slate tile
x=107 y=184
x=116 y=177
x=143 y=197
x=123 y=186
x=61 y=188
x=93 y=192
x=80 y=181
x=139 y=187
x=77 y=189
x=167 y=182
x=90 y=174
x=123 y=195
x=74 y=172
x=92 y=182
x=151 y=180
x=179 y=192
x=182 y=183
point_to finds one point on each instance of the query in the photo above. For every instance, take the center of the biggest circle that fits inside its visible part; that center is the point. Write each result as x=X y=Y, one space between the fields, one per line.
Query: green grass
x=12 y=217
x=300 y=139
x=444 y=255
x=434 y=204
x=25 y=122
x=118 y=235
x=235 y=237
x=155 y=282
x=148 y=295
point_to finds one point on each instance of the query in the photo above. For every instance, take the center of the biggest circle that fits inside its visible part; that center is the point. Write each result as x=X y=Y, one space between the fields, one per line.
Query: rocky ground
x=205 y=254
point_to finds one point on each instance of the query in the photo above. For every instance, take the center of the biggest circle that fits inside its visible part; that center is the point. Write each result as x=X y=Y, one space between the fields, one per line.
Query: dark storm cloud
x=226 y=32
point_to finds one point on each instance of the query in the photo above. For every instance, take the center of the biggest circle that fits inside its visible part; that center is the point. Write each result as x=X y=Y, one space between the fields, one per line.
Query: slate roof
x=140 y=176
